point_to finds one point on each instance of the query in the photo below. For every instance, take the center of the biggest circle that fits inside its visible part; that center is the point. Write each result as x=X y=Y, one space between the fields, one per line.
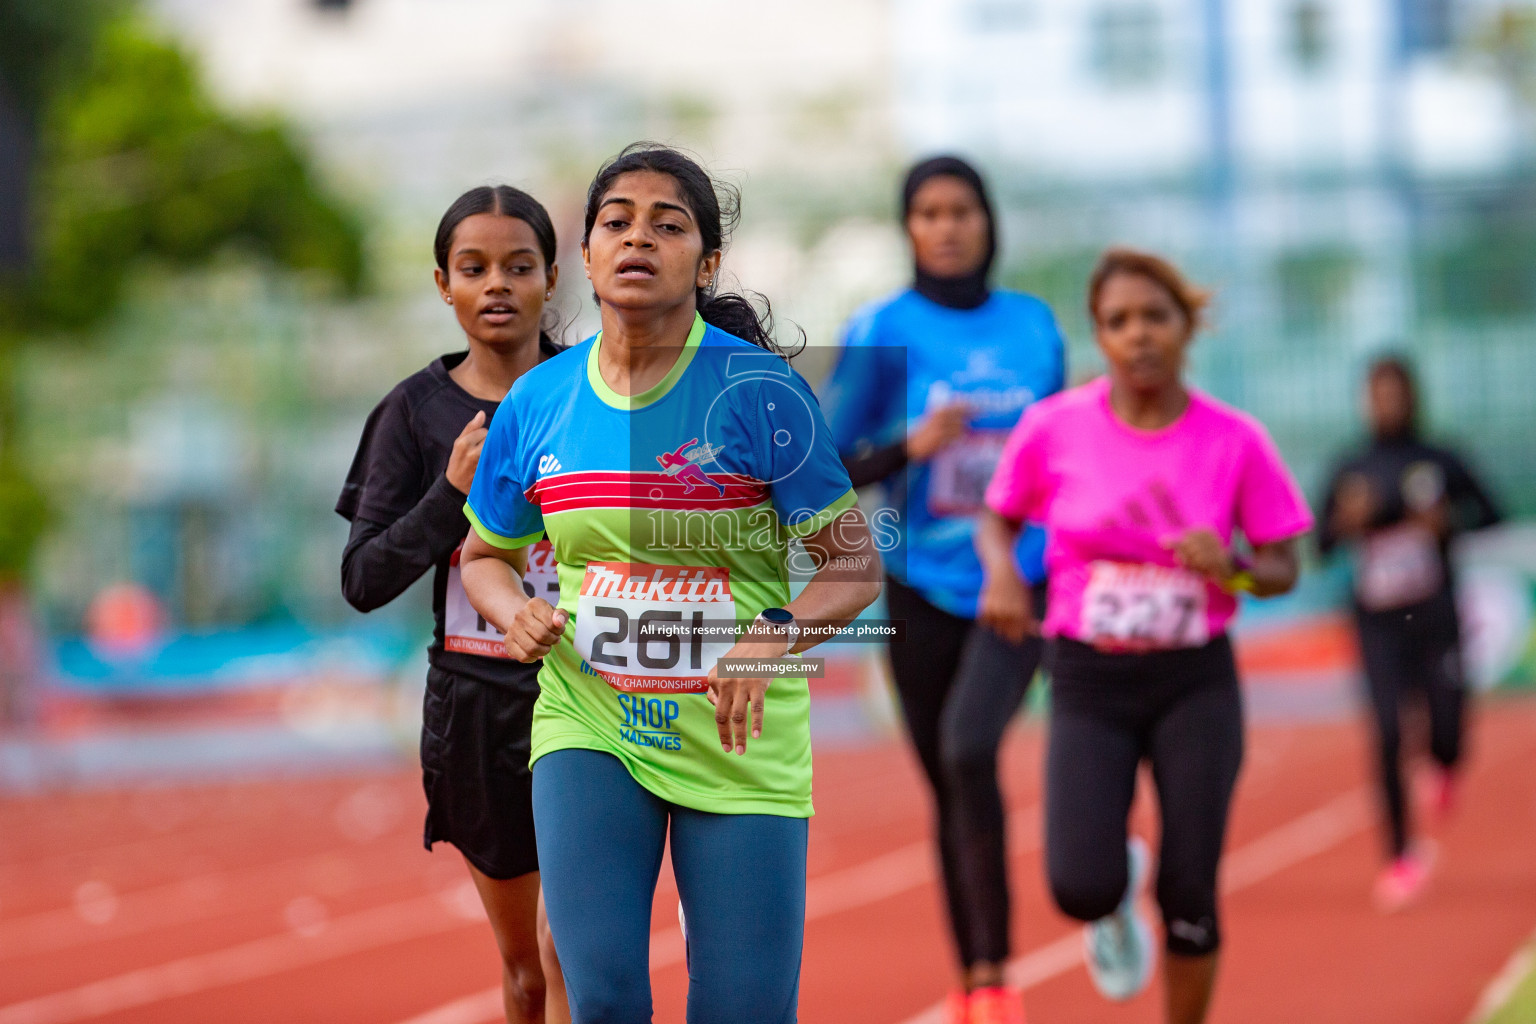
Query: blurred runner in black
x=1400 y=502
x=495 y=251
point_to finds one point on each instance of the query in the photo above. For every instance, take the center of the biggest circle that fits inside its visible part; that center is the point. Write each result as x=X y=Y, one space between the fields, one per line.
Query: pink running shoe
x=1402 y=883
x=956 y=1008
x=1443 y=791
x=998 y=1005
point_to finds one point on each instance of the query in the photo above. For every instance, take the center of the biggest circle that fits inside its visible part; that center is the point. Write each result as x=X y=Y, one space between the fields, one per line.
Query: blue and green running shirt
x=670 y=514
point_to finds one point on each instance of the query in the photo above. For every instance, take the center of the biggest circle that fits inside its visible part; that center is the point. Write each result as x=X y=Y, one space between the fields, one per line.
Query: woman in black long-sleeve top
x=1399 y=502
x=495 y=252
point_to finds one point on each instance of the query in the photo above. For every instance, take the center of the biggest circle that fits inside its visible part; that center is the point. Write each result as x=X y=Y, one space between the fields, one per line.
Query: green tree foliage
x=24 y=514
x=132 y=161
x=42 y=43
x=137 y=161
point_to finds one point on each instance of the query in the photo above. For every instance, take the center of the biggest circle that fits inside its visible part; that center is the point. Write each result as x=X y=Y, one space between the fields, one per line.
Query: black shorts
x=474 y=768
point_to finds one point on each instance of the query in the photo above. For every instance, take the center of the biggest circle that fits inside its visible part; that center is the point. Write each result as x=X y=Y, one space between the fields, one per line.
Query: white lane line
x=485 y=1005
x=879 y=878
x=1501 y=989
x=666 y=950
x=903 y=868
x=888 y=875
x=1045 y=963
x=353 y=933
x=191 y=899
x=1295 y=841
x=1271 y=853
x=910 y=866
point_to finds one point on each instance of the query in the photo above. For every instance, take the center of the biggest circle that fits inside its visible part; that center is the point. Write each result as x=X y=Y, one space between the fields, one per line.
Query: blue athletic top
x=906 y=355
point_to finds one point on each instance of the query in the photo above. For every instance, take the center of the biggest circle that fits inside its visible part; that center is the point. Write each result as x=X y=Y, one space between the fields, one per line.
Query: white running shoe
x=1120 y=948
x=682 y=922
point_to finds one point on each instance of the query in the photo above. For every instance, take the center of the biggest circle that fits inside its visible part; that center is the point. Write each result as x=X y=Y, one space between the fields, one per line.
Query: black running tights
x=960 y=685
x=1406 y=654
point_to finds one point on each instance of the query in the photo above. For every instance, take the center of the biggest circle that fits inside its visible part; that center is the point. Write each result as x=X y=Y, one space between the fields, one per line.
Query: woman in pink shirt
x=1143 y=484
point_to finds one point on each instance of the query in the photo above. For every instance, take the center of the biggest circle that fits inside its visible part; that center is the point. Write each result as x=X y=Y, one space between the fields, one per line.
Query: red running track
x=312 y=900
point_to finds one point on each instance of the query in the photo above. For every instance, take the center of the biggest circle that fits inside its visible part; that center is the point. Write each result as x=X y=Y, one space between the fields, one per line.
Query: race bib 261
x=654 y=628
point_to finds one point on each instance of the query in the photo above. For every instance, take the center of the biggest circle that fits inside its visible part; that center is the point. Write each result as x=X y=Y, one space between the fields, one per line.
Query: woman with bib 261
x=670 y=463
x=495 y=252
x=1142 y=483
x=928 y=385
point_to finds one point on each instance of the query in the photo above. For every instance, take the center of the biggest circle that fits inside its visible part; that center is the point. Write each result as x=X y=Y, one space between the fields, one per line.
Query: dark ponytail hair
x=504 y=201
x=716 y=207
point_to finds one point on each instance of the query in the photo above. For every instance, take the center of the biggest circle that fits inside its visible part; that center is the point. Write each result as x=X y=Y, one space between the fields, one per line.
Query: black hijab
x=969 y=290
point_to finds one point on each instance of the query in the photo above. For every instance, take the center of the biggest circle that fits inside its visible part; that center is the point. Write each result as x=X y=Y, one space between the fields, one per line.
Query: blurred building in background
x=1351 y=176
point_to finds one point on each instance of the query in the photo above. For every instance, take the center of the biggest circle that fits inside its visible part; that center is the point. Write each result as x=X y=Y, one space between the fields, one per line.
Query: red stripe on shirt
x=565 y=492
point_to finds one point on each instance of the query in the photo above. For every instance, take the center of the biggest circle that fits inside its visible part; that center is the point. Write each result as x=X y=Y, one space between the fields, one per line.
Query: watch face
x=778 y=616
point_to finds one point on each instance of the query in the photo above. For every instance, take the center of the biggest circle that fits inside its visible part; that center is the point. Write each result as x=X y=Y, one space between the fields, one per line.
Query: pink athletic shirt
x=1112 y=497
